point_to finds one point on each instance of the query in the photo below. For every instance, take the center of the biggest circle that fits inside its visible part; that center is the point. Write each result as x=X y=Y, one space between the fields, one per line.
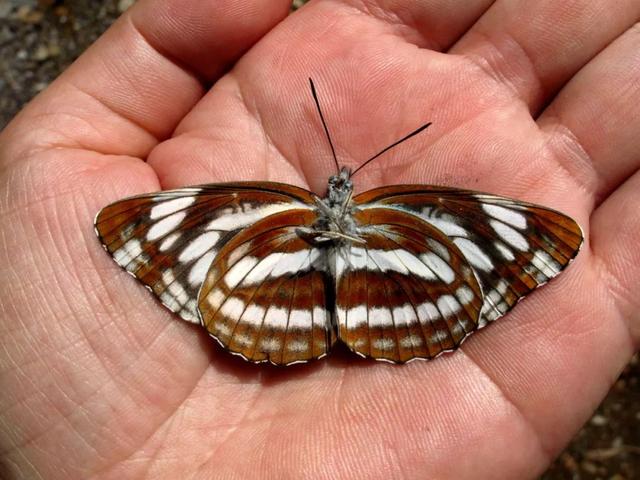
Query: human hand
x=533 y=100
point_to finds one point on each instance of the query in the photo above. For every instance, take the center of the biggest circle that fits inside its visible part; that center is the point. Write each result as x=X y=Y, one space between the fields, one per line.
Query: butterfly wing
x=167 y=240
x=268 y=294
x=406 y=292
x=512 y=246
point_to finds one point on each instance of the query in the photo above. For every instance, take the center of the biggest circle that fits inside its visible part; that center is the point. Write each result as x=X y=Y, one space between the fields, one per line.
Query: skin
x=533 y=100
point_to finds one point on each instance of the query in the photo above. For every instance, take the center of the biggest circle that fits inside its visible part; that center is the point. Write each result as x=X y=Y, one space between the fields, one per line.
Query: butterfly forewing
x=269 y=295
x=512 y=246
x=406 y=292
x=168 y=239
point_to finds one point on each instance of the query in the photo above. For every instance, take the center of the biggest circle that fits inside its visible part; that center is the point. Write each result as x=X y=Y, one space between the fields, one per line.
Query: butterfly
x=278 y=274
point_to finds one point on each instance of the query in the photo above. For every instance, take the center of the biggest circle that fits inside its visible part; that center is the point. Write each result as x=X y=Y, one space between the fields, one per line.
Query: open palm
x=533 y=100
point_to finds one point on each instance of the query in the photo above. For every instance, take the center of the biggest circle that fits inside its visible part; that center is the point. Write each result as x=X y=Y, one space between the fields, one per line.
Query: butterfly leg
x=313 y=235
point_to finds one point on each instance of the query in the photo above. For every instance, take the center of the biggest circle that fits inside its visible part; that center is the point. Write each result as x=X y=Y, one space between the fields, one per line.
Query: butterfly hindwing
x=269 y=294
x=168 y=240
x=512 y=246
x=406 y=291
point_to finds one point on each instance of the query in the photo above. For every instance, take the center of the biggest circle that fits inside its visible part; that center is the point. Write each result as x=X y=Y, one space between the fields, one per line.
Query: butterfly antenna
x=407 y=137
x=324 y=124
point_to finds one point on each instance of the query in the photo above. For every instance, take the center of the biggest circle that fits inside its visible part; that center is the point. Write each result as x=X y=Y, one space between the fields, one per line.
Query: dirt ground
x=39 y=38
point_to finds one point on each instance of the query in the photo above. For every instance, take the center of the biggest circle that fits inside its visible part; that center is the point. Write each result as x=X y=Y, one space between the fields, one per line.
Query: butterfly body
x=277 y=274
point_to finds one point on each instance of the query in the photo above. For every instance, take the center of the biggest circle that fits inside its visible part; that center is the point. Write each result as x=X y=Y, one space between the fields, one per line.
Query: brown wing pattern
x=168 y=239
x=434 y=265
x=269 y=295
x=406 y=292
x=512 y=246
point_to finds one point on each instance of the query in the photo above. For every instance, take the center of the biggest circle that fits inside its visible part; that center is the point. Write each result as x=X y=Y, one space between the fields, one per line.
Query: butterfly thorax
x=339 y=190
x=335 y=224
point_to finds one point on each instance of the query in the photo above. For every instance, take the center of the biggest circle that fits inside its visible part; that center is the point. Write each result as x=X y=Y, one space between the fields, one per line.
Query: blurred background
x=39 y=38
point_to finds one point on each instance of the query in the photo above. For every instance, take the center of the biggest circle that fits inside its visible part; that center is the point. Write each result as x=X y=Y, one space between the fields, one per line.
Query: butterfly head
x=340 y=188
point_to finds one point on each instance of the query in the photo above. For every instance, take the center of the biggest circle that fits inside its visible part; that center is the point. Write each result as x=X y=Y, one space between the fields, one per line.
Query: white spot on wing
x=270 y=344
x=286 y=263
x=236 y=273
x=273 y=265
x=437 y=337
x=506 y=215
x=297 y=346
x=438 y=266
x=467 y=325
x=510 y=235
x=505 y=252
x=445 y=223
x=243 y=339
x=494 y=305
x=383 y=343
x=168 y=276
x=199 y=246
x=448 y=305
x=414 y=265
x=165 y=226
x=357 y=258
x=177 y=290
x=387 y=260
x=360 y=343
x=545 y=263
x=501 y=288
x=169 y=301
x=380 y=317
x=188 y=315
x=438 y=248
x=253 y=315
x=300 y=319
x=411 y=341
x=238 y=218
x=320 y=317
x=168 y=242
x=222 y=329
x=276 y=317
x=189 y=312
x=170 y=206
x=457 y=329
x=128 y=252
x=312 y=260
x=474 y=254
x=215 y=298
x=398 y=315
x=340 y=262
x=464 y=295
x=232 y=308
x=397 y=260
x=237 y=253
x=199 y=269
x=408 y=314
x=259 y=269
x=427 y=311
x=356 y=316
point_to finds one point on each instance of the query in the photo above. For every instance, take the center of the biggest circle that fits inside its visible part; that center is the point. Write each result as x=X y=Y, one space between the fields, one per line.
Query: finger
x=614 y=238
x=139 y=79
x=433 y=24
x=535 y=47
x=592 y=126
x=267 y=110
x=542 y=352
